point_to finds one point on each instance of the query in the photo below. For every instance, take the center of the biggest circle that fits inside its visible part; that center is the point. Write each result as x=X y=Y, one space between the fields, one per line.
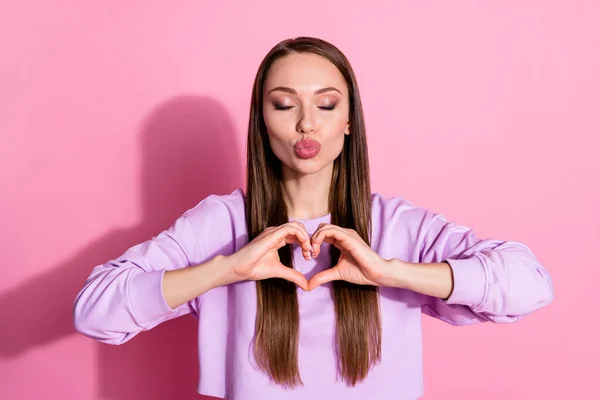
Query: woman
x=309 y=286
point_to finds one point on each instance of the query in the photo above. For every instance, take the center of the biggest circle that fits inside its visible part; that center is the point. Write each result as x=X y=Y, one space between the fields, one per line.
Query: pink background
x=118 y=116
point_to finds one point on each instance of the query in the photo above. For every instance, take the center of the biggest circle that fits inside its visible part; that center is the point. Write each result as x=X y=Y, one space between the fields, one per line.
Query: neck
x=307 y=196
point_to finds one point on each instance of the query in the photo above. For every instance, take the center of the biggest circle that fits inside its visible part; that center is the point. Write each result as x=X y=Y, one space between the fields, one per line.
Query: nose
x=306 y=123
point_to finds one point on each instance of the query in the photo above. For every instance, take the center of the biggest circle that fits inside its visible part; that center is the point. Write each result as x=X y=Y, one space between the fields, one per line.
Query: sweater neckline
x=313 y=223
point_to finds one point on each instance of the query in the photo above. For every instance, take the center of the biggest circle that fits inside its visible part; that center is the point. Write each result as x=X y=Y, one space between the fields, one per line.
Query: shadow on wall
x=188 y=152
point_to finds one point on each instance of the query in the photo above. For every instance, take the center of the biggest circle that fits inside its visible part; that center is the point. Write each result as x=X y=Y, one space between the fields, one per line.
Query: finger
x=305 y=244
x=281 y=243
x=291 y=275
x=355 y=247
x=323 y=277
x=327 y=231
x=346 y=240
x=299 y=225
x=290 y=233
x=335 y=235
x=334 y=242
x=289 y=239
x=291 y=230
x=315 y=248
x=306 y=252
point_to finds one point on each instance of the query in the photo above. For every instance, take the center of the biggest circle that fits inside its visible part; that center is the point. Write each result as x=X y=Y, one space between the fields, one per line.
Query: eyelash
x=284 y=108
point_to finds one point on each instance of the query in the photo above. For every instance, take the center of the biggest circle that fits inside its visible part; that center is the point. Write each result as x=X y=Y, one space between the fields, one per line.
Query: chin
x=307 y=167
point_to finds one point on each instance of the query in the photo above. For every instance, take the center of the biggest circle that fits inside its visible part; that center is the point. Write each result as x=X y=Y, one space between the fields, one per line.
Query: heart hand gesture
x=259 y=259
x=358 y=263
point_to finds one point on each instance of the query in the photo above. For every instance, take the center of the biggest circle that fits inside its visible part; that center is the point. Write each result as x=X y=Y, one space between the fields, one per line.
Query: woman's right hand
x=259 y=259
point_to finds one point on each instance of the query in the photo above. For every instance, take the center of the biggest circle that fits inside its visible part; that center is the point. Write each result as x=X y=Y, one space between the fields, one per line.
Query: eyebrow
x=292 y=91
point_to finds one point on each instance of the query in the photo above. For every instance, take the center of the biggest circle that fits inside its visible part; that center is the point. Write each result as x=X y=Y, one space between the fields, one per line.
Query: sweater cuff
x=146 y=296
x=469 y=282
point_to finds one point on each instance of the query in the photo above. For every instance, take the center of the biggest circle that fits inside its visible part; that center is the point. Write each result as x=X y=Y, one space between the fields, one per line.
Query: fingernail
x=311 y=254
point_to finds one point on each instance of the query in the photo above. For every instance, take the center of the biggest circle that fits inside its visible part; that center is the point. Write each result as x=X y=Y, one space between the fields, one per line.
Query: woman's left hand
x=358 y=263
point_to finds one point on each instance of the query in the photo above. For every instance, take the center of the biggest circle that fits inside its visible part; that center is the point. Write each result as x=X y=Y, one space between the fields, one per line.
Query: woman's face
x=306 y=111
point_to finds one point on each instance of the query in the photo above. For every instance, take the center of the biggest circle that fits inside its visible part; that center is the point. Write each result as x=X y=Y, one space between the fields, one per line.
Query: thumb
x=323 y=277
x=290 y=274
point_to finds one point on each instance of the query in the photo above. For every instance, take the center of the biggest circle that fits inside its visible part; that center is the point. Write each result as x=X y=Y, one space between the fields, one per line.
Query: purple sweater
x=498 y=281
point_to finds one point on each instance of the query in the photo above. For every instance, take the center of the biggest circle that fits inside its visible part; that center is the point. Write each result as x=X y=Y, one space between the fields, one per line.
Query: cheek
x=278 y=137
x=278 y=141
x=336 y=128
x=339 y=141
x=338 y=120
x=276 y=125
x=333 y=141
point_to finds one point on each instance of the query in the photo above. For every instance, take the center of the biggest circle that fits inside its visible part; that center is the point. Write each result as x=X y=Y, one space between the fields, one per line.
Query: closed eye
x=328 y=108
x=282 y=108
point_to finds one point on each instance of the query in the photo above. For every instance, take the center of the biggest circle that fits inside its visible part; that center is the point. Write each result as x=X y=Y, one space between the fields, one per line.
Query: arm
x=431 y=279
x=183 y=285
x=161 y=278
x=480 y=280
x=135 y=292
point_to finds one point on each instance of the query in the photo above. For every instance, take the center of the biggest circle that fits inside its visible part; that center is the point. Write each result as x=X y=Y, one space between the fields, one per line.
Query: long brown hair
x=358 y=322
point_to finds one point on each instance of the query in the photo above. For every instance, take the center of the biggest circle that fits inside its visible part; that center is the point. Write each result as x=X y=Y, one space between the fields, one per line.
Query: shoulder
x=399 y=226
x=395 y=209
x=230 y=204
x=217 y=221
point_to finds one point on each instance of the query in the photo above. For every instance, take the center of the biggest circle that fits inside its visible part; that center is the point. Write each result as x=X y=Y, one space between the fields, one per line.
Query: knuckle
x=294 y=225
x=351 y=231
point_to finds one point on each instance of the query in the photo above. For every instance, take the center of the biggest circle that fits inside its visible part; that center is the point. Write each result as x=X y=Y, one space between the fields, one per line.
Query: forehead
x=304 y=72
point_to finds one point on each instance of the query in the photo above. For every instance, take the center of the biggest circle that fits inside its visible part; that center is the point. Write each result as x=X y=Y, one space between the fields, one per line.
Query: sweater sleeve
x=494 y=280
x=124 y=296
